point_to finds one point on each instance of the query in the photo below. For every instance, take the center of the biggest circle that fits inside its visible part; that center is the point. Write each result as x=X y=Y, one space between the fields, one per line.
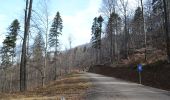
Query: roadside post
x=140 y=69
x=62 y=98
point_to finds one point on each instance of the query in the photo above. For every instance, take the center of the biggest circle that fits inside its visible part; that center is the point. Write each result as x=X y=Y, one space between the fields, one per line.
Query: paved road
x=108 y=88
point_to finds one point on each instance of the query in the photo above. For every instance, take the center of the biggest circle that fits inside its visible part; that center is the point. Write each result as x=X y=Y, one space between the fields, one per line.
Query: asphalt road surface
x=108 y=88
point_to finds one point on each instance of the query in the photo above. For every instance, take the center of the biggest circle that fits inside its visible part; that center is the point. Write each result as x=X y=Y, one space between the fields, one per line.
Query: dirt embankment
x=154 y=75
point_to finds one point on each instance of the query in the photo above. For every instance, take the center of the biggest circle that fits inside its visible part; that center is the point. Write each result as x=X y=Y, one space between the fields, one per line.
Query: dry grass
x=139 y=57
x=71 y=86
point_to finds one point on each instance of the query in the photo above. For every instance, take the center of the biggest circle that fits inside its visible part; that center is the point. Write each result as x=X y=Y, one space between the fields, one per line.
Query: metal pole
x=140 y=78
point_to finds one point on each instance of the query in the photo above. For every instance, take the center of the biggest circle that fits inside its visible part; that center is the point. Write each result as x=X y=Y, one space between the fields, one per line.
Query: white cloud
x=2 y=28
x=79 y=24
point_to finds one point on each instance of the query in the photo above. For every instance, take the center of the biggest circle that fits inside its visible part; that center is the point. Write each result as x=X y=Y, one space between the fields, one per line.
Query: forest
x=119 y=37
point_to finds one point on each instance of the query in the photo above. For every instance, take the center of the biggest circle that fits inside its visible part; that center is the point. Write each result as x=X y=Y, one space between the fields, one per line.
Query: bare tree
x=124 y=11
x=70 y=52
x=108 y=7
x=144 y=30
x=46 y=27
x=41 y=23
x=166 y=30
x=70 y=40
x=28 y=11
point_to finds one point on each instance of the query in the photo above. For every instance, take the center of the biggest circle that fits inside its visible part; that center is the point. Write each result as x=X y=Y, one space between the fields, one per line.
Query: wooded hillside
x=120 y=36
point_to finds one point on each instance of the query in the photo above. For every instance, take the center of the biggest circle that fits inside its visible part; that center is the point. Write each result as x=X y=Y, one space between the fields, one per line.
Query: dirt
x=155 y=75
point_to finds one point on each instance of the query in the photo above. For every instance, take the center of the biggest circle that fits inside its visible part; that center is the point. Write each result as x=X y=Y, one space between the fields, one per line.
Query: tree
x=100 y=21
x=9 y=44
x=6 y=62
x=28 y=11
x=96 y=36
x=138 y=15
x=108 y=7
x=143 y=20
x=70 y=40
x=41 y=23
x=137 y=29
x=13 y=32
x=166 y=30
x=94 y=33
x=38 y=48
x=157 y=25
x=126 y=35
x=109 y=10
x=94 y=39
x=112 y=30
x=55 y=31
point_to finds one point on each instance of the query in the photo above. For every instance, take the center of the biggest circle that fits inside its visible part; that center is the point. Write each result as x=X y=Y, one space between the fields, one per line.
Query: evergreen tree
x=112 y=28
x=138 y=15
x=96 y=36
x=137 y=30
x=100 y=21
x=13 y=32
x=9 y=44
x=95 y=33
x=38 y=48
x=6 y=62
x=55 y=31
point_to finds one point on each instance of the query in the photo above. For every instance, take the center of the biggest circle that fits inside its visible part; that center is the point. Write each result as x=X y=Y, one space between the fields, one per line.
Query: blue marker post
x=140 y=69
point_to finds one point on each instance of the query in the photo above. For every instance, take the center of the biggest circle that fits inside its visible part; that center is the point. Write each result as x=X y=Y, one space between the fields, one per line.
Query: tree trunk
x=115 y=40
x=166 y=30
x=111 y=42
x=11 y=78
x=126 y=37
x=143 y=20
x=23 y=55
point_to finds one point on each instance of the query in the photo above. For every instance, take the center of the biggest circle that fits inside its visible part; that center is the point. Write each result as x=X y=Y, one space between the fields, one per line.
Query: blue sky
x=77 y=17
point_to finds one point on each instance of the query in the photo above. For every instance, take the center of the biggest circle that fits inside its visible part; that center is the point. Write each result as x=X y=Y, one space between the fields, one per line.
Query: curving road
x=108 y=88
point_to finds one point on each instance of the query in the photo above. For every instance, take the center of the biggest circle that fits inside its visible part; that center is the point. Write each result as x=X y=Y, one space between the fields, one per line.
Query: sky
x=77 y=16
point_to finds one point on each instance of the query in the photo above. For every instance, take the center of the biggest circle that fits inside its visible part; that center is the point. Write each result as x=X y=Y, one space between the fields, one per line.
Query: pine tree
x=5 y=57
x=100 y=21
x=38 y=49
x=13 y=32
x=55 y=31
x=96 y=32
x=95 y=28
x=138 y=15
x=9 y=44
x=112 y=28
x=96 y=36
x=138 y=33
